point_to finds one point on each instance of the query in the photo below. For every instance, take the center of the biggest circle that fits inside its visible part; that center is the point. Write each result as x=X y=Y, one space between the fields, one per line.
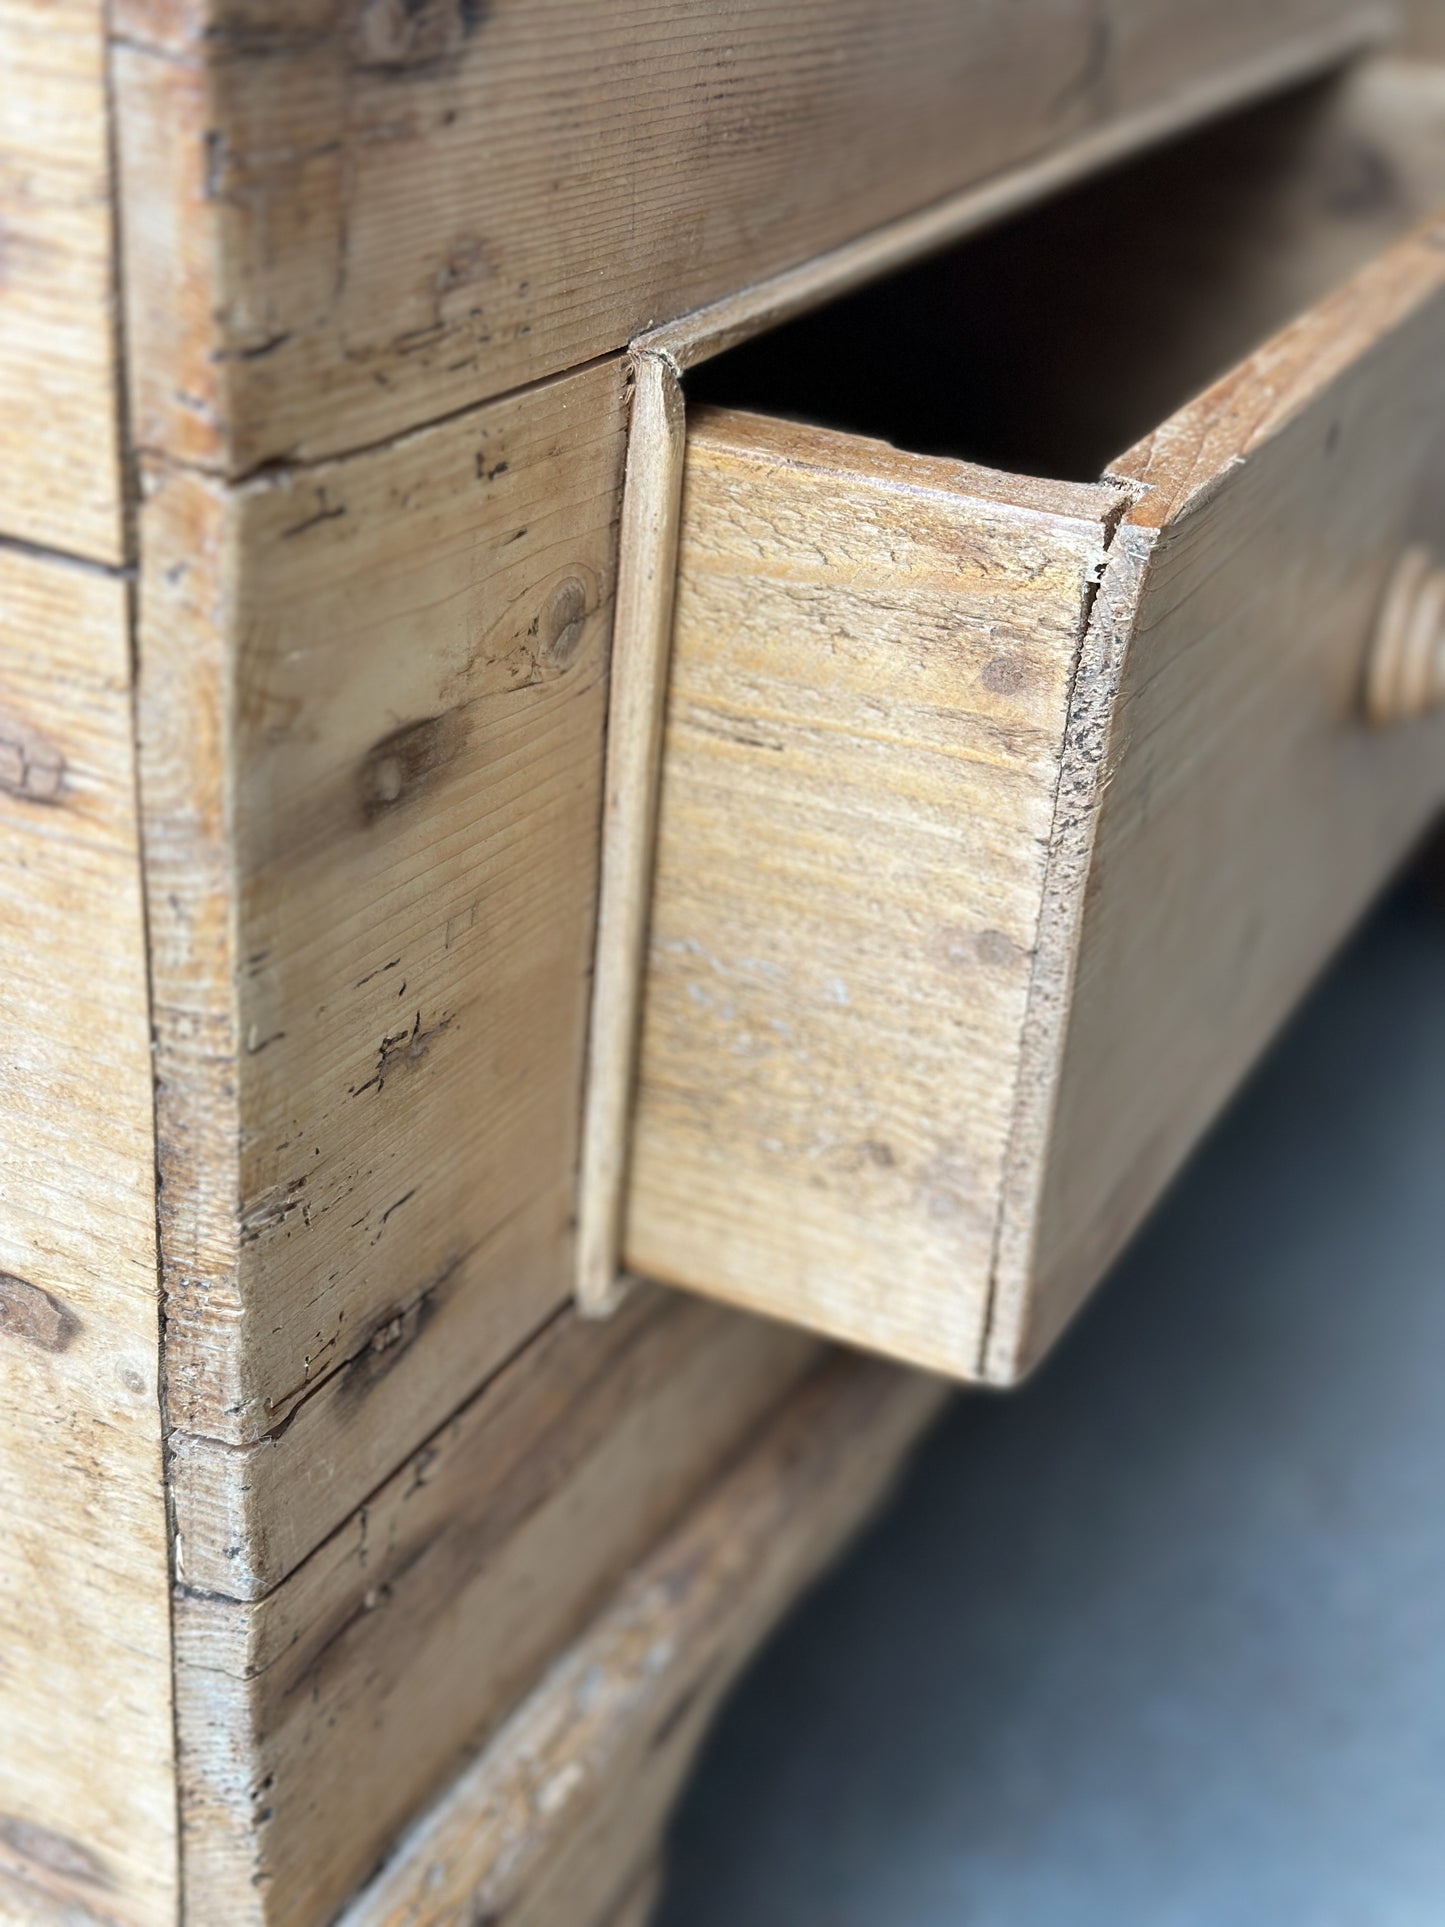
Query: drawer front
x=870 y=682
x=1003 y=821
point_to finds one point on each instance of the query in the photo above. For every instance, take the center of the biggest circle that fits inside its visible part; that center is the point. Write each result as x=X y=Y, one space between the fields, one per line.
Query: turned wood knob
x=1406 y=671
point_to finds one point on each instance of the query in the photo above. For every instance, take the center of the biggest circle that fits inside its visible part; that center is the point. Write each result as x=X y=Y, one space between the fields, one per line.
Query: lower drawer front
x=1004 y=820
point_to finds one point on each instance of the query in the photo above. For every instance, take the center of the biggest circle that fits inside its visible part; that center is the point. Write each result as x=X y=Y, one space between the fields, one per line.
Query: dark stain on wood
x=403 y=1050
x=400 y=766
x=30 y=764
x=560 y=1423
x=1363 y=182
x=998 y=950
x=396 y=36
x=54 y=1856
x=1005 y=676
x=1089 y=88
x=564 y=620
x=329 y=1657
x=325 y=511
x=390 y=1335
x=28 y=1312
x=393 y=1333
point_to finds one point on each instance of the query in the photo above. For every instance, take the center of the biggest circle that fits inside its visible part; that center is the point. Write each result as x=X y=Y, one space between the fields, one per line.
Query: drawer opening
x=1051 y=344
x=1004 y=811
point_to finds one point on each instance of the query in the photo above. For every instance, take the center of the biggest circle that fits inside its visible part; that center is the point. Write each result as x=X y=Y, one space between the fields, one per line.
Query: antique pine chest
x=752 y=646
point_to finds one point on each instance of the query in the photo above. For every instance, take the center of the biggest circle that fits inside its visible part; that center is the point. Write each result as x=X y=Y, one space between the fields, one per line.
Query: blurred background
x=1161 y=1638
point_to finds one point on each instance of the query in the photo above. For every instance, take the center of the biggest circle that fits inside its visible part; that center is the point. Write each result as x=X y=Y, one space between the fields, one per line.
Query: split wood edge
x=647 y=568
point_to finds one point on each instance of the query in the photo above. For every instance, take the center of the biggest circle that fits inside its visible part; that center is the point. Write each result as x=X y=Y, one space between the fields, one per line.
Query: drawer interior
x=1049 y=345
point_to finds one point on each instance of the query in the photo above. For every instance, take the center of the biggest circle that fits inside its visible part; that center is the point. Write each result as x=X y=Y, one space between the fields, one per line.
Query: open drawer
x=1003 y=819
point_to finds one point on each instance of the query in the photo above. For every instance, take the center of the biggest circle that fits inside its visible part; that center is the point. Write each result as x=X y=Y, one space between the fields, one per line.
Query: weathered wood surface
x=350 y=218
x=578 y=1783
x=1246 y=813
x=87 y=1792
x=60 y=481
x=872 y=659
x=372 y=709
x=318 y=1720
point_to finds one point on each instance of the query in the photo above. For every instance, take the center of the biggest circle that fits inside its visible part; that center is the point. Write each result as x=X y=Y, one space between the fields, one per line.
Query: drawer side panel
x=1248 y=813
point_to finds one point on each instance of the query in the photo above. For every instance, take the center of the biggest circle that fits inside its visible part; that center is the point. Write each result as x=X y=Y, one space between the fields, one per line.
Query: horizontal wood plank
x=350 y=219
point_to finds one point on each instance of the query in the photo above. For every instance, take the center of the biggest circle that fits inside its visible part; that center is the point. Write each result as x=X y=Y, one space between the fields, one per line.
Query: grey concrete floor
x=1161 y=1639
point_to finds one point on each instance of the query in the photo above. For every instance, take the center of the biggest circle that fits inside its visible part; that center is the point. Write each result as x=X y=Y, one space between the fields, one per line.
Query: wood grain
x=60 y=481
x=872 y=659
x=406 y=1637
x=87 y=1791
x=554 y=1813
x=349 y=219
x=372 y=722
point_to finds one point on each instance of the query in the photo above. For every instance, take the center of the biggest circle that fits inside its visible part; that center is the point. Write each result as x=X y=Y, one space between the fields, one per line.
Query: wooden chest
x=349 y=1571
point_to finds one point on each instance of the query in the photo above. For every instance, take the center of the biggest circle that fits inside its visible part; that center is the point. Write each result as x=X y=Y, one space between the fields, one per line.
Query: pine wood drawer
x=1004 y=818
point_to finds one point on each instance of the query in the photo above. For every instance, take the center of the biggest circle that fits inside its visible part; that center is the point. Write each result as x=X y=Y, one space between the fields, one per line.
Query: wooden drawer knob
x=1406 y=671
